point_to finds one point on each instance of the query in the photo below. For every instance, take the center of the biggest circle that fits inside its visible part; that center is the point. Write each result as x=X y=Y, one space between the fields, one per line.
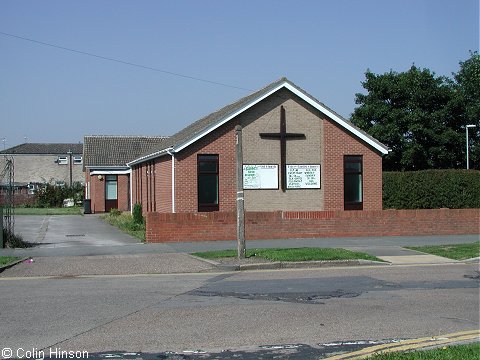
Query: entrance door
x=111 y=195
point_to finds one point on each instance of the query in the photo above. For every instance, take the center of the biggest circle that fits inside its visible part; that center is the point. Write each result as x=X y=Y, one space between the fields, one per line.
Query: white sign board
x=260 y=176
x=303 y=176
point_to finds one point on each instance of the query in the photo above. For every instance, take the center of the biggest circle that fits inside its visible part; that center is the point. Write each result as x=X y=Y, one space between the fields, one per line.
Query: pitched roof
x=113 y=150
x=44 y=149
x=209 y=123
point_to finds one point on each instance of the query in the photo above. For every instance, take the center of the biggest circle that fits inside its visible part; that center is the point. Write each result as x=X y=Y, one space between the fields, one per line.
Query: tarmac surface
x=86 y=284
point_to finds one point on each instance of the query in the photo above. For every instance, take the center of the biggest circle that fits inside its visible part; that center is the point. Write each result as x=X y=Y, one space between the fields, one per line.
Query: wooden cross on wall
x=283 y=136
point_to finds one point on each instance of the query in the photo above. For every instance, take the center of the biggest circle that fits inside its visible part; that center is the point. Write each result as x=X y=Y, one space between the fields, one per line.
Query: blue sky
x=52 y=95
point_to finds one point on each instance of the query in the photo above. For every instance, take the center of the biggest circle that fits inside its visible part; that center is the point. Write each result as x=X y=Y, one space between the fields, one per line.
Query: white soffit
x=110 y=172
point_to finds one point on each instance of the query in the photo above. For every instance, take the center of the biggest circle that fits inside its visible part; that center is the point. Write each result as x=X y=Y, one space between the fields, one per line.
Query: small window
x=62 y=160
x=207 y=172
x=77 y=160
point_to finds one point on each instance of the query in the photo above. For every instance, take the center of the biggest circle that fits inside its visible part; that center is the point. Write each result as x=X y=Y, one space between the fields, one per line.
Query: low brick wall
x=19 y=199
x=187 y=227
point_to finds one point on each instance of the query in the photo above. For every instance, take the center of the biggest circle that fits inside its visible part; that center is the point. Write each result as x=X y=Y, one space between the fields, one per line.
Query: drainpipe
x=131 y=188
x=172 y=154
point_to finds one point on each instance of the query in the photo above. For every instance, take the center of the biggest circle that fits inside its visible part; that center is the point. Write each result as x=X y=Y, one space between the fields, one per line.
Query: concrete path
x=70 y=266
x=53 y=231
x=397 y=255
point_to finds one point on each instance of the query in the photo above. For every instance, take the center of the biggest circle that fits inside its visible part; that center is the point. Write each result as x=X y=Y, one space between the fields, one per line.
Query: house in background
x=40 y=163
x=107 y=176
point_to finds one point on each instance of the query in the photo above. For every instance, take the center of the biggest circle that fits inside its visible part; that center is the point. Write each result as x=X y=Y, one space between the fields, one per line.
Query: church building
x=298 y=155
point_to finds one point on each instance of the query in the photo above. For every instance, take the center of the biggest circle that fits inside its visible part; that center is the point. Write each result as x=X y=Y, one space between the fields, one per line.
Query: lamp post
x=70 y=153
x=466 y=138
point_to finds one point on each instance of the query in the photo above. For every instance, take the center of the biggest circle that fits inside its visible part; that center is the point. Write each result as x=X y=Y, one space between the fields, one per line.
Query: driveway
x=53 y=231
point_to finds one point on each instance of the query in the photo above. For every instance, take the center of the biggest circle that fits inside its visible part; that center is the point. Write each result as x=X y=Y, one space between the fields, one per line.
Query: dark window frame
x=352 y=159
x=213 y=159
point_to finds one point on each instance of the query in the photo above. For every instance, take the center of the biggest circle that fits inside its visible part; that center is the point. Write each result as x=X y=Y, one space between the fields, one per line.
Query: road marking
x=410 y=344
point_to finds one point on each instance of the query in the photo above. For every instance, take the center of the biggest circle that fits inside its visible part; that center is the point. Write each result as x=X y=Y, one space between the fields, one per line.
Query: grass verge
x=75 y=210
x=294 y=254
x=455 y=252
x=464 y=352
x=125 y=223
x=4 y=260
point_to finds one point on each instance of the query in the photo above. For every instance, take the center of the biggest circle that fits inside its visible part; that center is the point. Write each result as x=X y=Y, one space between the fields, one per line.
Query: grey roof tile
x=112 y=150
x=44 y=149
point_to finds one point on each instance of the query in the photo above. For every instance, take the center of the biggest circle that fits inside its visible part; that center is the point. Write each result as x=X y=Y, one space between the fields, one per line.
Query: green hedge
x=431 y=189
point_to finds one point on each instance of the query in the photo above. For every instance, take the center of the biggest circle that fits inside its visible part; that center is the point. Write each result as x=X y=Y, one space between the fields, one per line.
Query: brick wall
x=300 y=118
x=338 y=143
x=18 y=199
x=97 y=192
x=185 y=227
x=221 y=142
x=163 y=168
x=123 y=191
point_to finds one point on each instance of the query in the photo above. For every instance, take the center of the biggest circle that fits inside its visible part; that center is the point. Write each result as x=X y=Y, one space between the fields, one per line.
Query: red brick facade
x=280 y=225
x=221 y=142
x=152 y=185
x=163 y=167
x=338 y=143
x=325 y=143
x=97 y=192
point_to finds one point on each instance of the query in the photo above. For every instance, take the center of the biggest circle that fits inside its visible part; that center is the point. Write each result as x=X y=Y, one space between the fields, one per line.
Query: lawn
x=4 y=260
x=295 y=254
x=125 y=223
x=75 y=210
x=456 y=252
x=463 y=352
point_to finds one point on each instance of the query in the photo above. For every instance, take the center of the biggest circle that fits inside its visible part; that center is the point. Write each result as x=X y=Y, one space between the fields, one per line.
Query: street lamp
x=70 y=153
x=466 y=137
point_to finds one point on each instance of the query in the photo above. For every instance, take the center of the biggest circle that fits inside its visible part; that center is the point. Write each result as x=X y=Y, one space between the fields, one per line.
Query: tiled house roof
x=44 y=149
x=111 y=150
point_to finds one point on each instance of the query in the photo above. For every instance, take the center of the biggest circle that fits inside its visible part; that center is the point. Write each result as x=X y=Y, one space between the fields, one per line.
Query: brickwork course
x=190 y=227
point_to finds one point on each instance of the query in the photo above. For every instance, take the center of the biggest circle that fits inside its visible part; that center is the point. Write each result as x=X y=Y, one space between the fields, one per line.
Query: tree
x=419 y=115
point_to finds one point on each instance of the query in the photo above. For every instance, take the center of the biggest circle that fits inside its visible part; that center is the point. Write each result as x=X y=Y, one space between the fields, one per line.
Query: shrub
x=13 y=240
x=431 y=189
x=137 y=214
x=52 y=196
x=115 y=212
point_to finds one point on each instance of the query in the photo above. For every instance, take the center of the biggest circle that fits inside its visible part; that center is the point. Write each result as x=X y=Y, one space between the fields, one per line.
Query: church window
x=207 y=176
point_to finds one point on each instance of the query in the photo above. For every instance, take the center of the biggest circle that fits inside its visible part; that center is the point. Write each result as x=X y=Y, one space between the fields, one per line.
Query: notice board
x=260 y=176
x=303 y=176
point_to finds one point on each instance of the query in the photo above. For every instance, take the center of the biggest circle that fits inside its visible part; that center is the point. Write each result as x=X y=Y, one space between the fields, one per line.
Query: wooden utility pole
x=240 y=197
x=70 y=153
x=2 y=243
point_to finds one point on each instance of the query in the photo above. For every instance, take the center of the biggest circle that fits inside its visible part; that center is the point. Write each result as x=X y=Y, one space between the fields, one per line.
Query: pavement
x=86 y=245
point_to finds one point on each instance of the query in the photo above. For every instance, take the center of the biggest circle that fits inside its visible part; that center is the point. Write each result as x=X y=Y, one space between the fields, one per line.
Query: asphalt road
x=258 y=314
